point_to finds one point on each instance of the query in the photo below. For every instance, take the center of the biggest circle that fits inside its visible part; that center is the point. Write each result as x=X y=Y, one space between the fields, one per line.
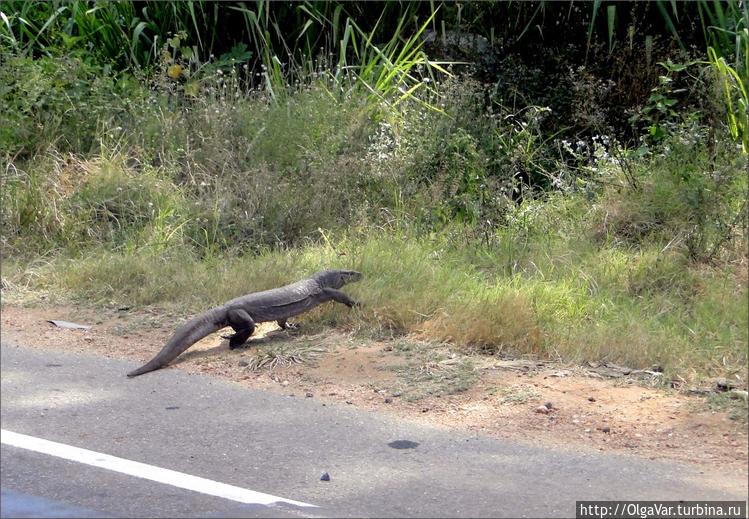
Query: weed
x=437 y=375
x=735 y=405
x=519 y=394
x=282 y=354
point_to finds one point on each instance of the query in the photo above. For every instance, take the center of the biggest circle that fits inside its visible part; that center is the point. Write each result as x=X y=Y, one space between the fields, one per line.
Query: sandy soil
x=502 y=397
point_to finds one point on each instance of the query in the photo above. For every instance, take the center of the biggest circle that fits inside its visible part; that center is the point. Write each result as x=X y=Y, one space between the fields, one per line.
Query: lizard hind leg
x=286 y=325
x=243 y=327
x=238 y=339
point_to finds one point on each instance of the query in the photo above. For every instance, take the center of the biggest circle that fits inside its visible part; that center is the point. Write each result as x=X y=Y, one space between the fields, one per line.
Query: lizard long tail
x=185 y=336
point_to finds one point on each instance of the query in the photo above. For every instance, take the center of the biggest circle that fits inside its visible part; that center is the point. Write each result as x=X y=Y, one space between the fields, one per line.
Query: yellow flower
x=174 y=71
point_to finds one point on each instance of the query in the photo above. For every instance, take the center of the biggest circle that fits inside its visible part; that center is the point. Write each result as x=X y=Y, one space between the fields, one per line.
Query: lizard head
x=336 y=278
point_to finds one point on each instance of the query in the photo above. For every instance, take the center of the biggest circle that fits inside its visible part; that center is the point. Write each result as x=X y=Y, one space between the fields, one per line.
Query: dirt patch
x=425 y=383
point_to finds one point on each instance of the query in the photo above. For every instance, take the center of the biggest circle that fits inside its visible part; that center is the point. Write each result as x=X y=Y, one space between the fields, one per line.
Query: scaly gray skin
x=243 y=313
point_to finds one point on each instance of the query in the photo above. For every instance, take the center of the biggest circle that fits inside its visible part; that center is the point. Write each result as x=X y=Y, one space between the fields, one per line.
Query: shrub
x=690 y=195
x=62 y=101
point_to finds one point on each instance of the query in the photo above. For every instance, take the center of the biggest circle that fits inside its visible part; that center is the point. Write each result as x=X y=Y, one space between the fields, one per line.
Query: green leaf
x=669 y=22
x=134 y=43
x=10 y=29
x=611 y=18
x=596 y=6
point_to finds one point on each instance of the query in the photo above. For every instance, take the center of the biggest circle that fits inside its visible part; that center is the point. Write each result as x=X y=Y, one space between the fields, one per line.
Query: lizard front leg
x=340 y=297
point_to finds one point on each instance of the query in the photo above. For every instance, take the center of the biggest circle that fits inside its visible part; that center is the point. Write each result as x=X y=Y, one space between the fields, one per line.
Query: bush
x=64 y=202
x=689 y=195
x=61 y=101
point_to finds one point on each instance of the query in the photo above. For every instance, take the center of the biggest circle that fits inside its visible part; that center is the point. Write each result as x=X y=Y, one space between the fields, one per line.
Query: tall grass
x=397 y=71
x=288 y=37
x=124 y=34
x=391 y=73
x=734 y=84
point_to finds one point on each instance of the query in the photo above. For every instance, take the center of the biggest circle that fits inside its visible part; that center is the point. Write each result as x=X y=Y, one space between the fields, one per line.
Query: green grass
x=584 y=309
x=182 y=202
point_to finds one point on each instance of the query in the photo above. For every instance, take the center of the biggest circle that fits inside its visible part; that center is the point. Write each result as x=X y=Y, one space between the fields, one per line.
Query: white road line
x=142 y=470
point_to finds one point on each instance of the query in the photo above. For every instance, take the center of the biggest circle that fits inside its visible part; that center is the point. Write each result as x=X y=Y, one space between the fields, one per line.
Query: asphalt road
x=279 y=445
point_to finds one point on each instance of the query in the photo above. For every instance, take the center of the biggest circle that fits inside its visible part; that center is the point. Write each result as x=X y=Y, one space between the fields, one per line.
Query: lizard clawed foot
x=286 y=325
